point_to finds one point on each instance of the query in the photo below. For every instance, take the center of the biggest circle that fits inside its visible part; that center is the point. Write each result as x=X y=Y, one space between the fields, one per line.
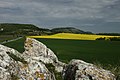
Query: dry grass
x=115 y=69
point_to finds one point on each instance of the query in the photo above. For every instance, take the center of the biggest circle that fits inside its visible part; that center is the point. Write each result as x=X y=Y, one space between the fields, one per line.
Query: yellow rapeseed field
x=72 y=36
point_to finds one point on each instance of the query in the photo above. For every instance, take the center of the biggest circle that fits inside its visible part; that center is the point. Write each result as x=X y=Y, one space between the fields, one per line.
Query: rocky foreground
x=33 y=63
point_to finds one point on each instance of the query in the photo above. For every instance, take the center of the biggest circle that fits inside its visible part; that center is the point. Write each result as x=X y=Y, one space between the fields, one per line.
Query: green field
x=105 y=52
x=18 y=44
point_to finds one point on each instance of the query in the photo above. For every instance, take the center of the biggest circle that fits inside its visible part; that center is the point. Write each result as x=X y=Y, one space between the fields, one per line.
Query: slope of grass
x=21 y=29
x=18 y=44
x=72 y=36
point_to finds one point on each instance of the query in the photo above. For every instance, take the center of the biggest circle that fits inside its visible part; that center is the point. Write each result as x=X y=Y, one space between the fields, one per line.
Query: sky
x=89 y=15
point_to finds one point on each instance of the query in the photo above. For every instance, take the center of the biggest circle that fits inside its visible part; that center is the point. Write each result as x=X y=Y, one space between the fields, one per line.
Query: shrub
x=109 y=38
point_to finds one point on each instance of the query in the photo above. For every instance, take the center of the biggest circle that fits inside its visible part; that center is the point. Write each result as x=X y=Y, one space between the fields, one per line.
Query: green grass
x=18 y=44
x=106 y=52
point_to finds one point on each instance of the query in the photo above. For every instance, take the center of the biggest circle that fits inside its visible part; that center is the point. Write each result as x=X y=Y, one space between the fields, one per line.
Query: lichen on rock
x=80 y=70
x=38 y=51
x=7 y=64
x=12 y=69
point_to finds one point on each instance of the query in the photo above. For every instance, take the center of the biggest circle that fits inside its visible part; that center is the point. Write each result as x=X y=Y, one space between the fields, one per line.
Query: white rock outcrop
x=80 y=70
x=39 y=52
x=7 y=64
x=34 y=70
x=31 y=70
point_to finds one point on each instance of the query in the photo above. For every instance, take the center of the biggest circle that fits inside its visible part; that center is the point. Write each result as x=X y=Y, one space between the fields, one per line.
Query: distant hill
x=22 y=29
x=30 y=29
x=69 y=30
x=109 y=34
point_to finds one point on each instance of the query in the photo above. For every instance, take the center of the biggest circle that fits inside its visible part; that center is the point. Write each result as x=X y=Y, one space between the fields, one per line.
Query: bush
x=109 y=38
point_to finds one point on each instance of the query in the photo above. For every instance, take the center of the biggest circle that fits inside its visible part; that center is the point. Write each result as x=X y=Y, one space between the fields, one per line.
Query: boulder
x=39 y=52
x=80 y=70
x=34 y=70
x=7 y=64
x=12 y=68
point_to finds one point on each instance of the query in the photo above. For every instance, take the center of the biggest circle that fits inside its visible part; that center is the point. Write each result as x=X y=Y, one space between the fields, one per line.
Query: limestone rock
x=34 y=70
x=39 y=52
x=80 y=70
x=11 y=69
x=7 y=64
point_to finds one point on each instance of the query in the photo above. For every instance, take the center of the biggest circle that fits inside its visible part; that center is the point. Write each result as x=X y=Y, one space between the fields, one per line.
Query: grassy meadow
x=105 y=52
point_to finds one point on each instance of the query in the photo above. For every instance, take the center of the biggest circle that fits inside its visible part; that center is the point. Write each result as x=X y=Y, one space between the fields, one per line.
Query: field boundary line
x=11 y=40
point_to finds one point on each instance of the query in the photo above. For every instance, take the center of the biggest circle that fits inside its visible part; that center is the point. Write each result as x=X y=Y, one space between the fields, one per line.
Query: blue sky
x=88 y=15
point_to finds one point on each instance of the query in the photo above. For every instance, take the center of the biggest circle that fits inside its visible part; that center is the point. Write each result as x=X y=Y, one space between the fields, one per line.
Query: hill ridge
x=30 y=29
